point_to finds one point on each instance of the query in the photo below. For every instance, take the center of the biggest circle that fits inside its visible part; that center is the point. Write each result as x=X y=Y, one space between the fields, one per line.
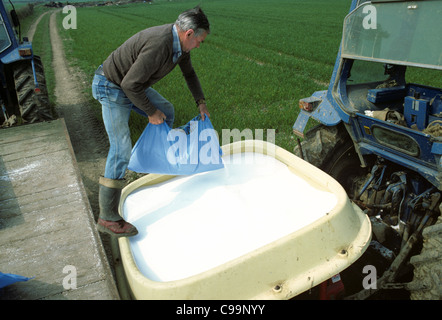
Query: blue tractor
x=378 y=131
x=24 y=96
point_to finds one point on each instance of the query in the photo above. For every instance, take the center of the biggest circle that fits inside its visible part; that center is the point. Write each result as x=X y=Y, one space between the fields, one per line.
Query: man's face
x=189 y=41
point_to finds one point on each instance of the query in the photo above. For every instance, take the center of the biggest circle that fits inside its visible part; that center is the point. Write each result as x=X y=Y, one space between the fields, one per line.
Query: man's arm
x=133 y=83
x=194 y=84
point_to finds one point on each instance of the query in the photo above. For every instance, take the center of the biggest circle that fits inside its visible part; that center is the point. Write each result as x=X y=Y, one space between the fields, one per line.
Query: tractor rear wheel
x=332 y=150
x=33 y=104
x=427 y=281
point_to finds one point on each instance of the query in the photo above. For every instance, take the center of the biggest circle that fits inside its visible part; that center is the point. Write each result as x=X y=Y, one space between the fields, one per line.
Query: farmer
x=124 y=83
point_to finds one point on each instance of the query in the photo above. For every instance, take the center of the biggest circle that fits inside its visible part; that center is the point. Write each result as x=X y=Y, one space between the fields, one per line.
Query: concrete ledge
x=46 y=223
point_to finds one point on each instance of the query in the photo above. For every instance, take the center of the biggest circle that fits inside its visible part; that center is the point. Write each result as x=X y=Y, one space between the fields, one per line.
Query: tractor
x=377 y=130
x=24 y=96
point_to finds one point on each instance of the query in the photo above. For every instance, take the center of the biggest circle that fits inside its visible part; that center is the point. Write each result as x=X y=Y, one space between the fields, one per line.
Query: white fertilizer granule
x=190 y=224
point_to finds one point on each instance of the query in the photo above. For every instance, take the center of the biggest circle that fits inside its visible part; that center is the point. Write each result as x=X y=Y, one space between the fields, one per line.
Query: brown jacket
x=143 y=60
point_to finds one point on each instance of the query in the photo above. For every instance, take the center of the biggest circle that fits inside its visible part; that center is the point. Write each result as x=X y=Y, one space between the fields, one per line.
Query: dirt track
x=87 y=134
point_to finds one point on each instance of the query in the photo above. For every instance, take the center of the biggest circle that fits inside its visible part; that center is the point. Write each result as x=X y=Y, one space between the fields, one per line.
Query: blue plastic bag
x=8 y=278
x=190 y=149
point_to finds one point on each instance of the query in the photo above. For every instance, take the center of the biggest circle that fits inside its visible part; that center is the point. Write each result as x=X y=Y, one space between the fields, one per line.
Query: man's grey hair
x=194 y=19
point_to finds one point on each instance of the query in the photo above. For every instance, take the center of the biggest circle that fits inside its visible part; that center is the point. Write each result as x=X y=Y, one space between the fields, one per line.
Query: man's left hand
x=203 y=111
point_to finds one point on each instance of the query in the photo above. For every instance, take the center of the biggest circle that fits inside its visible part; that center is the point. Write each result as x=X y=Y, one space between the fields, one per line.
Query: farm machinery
x=380 y=136
x=23 y=92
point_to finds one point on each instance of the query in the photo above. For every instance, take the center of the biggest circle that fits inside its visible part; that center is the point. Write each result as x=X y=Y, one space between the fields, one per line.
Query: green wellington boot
x=109 y=220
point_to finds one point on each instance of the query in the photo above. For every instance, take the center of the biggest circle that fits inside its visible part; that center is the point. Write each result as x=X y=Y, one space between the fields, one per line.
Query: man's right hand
x=157 y=118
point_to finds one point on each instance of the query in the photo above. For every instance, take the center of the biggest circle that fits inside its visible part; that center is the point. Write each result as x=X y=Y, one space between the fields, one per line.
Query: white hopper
x=267 y=226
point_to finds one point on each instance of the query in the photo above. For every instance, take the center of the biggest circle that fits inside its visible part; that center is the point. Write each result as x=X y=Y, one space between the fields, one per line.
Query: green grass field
x=259 y=60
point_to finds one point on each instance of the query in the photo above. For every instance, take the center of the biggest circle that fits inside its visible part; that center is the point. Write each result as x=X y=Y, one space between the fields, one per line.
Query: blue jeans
x=116 y=108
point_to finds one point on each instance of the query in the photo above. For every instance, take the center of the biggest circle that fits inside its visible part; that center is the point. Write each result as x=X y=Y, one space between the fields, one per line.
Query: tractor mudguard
x=14 y=55
x=11 y=57
x=325 y=113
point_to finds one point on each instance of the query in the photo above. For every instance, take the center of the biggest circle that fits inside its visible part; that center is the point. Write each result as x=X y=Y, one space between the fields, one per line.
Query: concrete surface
x=47 y=230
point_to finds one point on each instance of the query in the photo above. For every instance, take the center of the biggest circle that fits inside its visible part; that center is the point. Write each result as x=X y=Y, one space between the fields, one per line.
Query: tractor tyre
x=332 y=150
x=320 y=143
x=427 y=280
x=33 y=104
